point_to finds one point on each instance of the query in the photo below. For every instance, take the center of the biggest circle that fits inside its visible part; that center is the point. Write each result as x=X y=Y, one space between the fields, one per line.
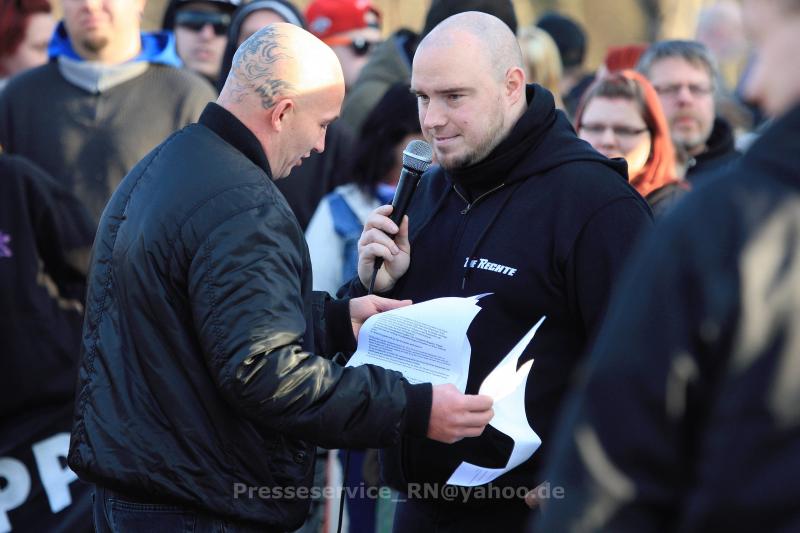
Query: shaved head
x=470 y=85
x=286 y=86
x=498 y=46
x=280 y=60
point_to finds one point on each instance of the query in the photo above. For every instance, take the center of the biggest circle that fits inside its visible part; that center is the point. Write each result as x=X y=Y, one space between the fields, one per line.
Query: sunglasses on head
x=197 y=20
x=359 y=45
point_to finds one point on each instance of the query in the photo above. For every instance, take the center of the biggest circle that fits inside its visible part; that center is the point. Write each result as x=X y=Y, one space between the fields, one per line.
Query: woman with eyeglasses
x=620 y=116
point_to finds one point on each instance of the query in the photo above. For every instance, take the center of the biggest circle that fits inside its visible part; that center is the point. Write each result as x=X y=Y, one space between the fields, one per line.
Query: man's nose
x=434 y=116
x=320 y=146
x=608 y=138
x=207 y=31
x=684 y=95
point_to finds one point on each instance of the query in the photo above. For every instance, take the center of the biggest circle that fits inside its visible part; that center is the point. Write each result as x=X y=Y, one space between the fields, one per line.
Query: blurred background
x=607 y=22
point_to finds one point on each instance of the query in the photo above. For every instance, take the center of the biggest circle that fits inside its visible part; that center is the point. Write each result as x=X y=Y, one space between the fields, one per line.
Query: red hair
x=14 y=15
x=629 y=85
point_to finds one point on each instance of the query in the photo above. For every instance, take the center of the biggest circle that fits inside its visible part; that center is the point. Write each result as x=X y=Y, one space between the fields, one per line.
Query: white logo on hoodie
x=485 y=264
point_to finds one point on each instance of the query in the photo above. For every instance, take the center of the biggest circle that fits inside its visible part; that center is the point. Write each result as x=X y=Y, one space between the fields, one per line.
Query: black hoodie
x=718 y=326
x=549 y=228
x=719 y=154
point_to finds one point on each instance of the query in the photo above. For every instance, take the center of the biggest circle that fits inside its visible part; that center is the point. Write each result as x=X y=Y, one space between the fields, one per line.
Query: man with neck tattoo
x=200 y=394
x=520 y=208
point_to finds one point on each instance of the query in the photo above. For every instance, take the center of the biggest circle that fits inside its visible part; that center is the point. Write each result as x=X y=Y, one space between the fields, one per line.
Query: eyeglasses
x=196 y=20
x=619 y=131
x=359 y=45
x=673 y=89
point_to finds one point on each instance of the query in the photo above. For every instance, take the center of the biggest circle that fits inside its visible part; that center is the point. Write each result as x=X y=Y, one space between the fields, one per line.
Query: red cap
x=325 y=18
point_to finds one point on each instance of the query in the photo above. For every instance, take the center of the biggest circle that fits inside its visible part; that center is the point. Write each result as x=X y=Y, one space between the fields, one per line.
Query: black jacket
x=564 y=219
x=690 y=402
x=719 y=154
x=197 y=371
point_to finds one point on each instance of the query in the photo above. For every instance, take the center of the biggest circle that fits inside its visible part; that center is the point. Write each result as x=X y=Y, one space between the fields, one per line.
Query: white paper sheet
x=506 y=385
x=427 y=342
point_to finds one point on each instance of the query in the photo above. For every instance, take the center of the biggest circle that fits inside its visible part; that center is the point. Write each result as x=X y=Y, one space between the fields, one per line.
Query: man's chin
x=95 y=44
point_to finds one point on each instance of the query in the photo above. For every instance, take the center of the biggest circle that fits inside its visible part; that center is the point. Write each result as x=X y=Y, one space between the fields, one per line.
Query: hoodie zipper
x=478 y=199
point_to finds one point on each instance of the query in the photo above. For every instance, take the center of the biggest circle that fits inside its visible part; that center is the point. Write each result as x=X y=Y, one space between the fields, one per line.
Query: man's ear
x=280 y=112
x=515 y=84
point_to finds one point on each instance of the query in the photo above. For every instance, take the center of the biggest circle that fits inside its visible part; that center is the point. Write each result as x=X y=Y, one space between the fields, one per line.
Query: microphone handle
x=402 y=198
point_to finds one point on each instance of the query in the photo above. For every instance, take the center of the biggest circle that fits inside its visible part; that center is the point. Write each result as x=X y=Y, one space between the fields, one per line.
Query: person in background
x=542 y=60
x=391 y=62
x=721 y=29
x=684 y=74
x=620 y=116
x=336 y=226
x=570 y=38
x=201 y=29
x=687 y=416
x=45 y=238
x=321 y=172
x=107 y=95
x=25 y=30
x=352 y=28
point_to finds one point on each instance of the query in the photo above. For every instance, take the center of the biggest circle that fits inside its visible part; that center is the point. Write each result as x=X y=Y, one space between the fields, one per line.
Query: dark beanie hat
x=442 y=9
x=568 y=35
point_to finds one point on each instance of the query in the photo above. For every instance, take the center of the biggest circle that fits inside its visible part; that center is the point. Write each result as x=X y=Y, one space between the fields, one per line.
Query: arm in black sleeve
x=249 y=312
x=600 y=253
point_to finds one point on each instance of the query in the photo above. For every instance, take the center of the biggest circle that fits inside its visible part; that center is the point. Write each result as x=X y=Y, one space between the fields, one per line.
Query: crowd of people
x=195 y=223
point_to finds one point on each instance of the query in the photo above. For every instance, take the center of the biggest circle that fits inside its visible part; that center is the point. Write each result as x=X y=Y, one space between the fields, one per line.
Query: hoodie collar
x=97 y=78
x=720 y=141
x=158 y=47
x=232 y=131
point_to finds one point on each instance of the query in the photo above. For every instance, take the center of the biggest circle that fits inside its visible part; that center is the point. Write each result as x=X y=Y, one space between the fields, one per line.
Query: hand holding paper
x=455 y=415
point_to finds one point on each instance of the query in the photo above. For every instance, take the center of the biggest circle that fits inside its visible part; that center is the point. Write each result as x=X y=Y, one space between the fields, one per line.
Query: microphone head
x=417 y=156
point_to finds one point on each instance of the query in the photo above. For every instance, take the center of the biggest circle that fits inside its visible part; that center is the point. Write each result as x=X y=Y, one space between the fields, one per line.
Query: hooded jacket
x=198 y=372
x=715 y=341
x=545 y=227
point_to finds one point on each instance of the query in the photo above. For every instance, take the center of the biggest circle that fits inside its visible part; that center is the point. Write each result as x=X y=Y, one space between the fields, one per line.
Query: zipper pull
x=466 y=209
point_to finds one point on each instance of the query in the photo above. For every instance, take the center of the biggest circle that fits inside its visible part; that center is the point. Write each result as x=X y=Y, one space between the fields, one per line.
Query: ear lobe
x=280 y=112
x=515 y=82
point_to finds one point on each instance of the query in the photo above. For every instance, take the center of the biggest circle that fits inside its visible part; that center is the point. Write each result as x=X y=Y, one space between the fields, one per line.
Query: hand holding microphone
x=375 y=245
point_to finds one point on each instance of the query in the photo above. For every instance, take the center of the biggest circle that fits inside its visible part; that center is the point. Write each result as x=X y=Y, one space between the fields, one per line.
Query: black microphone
x=417 y=158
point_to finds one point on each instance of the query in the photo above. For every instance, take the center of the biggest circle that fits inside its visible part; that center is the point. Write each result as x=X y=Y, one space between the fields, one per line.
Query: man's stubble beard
x=496 y=135
x=95 y=45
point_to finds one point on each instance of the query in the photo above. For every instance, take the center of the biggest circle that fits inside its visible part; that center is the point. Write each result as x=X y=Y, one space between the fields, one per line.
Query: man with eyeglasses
x=201 y=33
x=352 y=28
x=684 y=74
x=107 y=95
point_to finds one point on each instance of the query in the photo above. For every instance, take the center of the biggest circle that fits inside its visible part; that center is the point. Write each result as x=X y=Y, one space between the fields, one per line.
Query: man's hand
x=366 y=306
x=375 y=242
x=455 y=415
